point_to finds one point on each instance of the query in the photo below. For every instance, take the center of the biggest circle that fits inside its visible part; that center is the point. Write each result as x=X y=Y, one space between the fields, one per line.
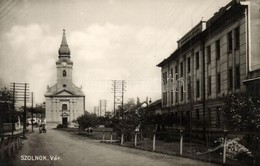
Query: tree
x=7 y=110
x=87 y=120
x=37 y=110
x=242 y=112
x=128 y=124
x=5 y=94
x=8 y=114
x=105 y=120
x=130 y=120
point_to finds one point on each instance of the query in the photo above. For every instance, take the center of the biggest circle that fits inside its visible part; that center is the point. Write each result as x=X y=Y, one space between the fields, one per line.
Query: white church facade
x=64 y=101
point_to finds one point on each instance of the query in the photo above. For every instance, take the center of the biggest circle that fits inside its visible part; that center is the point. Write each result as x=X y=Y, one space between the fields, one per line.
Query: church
x=64 y=101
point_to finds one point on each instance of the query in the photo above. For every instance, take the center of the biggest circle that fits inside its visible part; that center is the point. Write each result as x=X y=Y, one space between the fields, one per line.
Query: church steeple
x=64 y=50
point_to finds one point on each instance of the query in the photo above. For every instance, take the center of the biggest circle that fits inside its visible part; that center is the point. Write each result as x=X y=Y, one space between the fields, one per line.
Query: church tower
x=64 y=64
x=64 y=101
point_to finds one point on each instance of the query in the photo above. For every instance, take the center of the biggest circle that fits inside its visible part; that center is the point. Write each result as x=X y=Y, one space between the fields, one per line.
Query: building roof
x=72 y=91
x=64 y=50
x=155 y=104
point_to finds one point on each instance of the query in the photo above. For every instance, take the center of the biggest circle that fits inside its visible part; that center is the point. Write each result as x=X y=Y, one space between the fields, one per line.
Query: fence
x=181 y=143
x=9 y=145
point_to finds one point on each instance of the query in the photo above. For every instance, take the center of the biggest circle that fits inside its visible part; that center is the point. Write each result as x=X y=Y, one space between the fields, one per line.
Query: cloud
x=101 y=53
x=31 y=52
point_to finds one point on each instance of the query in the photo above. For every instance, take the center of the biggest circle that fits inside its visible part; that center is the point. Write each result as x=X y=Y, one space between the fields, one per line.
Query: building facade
x=64 y=101
x=215 y=58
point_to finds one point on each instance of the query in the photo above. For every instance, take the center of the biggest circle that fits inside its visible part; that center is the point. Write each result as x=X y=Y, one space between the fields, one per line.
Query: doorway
x=65 y=120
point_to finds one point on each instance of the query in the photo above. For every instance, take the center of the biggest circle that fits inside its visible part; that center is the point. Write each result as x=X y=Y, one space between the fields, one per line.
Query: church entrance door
x=64 y=120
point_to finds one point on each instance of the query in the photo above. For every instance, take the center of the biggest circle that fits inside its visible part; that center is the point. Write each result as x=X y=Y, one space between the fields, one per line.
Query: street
x=63 y=148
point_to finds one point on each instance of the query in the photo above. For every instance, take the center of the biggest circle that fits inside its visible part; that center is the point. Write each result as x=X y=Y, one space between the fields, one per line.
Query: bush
x=235 y=150
x=61 y=126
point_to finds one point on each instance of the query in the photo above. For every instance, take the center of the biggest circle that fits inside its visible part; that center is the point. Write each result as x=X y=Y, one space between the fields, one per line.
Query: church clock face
x=64 y=64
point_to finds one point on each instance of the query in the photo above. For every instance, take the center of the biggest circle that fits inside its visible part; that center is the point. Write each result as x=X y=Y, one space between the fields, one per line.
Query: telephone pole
x=13 y=106
x=32 y=110
x=24 y=113
x=21 y=93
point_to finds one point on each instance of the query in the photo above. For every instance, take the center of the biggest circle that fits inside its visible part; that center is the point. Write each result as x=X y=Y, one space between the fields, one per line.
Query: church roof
x=64 y=50
x=70 y=91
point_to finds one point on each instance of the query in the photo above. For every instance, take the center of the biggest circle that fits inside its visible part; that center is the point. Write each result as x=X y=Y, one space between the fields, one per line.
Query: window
x=229 y=40
x=197 y=116
x=209 y=117
x=218 y=83
x=188 y=120
x=237 y=77
x=218 y=49
x=230 y=79
x=176 y=117
x=197 y=60
x=171 y=96
x=189 y=90
x=218 y=117
x=209 y=85
x=176 y=96
x=64 y=85
x=64 y=73
x=176 y=72
x=189 y=65
x=198 y=88
x=209 y=53
x=237 y=38
x=64 y=107
x=181 y=118
x=181 y=69
x=164 y=98
x=181 y=93
x=164 y=78
x=171 y=74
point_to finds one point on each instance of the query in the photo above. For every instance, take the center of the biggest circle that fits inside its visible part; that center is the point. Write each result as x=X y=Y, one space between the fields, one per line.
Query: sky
x=108 y=40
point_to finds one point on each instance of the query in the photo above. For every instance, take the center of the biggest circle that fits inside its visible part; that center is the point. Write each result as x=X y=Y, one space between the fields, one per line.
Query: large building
x=64 y=101
x=215 y=58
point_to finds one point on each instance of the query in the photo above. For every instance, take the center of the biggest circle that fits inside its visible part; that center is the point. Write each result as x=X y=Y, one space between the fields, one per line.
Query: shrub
x=61 y=126
x=235 y=150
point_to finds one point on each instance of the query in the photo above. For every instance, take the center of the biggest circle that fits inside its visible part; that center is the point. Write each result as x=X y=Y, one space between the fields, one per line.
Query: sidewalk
x=10 y=133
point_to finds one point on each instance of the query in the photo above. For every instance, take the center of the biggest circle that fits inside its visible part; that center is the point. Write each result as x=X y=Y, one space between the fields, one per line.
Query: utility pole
x=114 y=82
x=20 y=91
x=32 y=110
x=24 y=113
x=118 y=87
x=13 y=108
x=122 y=104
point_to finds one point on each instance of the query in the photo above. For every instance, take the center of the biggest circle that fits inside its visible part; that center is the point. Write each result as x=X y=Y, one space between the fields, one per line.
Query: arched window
x=64 y=73
x=64 y=106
